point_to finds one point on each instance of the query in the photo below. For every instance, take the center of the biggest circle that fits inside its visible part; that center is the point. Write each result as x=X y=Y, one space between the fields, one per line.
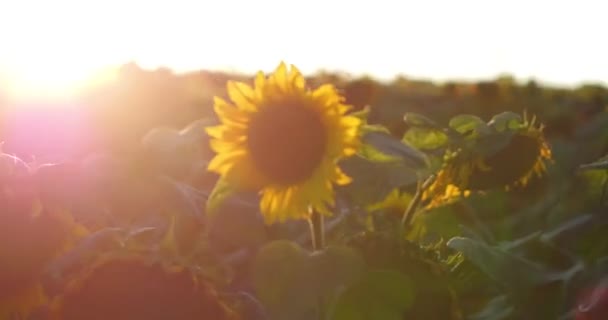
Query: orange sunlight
x=50 y=49
x=60 y=80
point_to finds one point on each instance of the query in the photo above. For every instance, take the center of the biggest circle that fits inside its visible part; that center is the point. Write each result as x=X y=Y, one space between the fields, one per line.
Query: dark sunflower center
x=287 y=142
x=509 y=164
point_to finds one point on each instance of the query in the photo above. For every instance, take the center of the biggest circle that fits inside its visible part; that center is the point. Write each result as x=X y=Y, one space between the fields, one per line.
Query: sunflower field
x=280 y=197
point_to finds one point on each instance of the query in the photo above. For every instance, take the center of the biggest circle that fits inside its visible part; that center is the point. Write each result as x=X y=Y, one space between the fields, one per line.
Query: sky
x=57 y=43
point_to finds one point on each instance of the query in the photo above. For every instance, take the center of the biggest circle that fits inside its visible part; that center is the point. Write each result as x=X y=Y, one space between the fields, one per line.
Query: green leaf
x=469 y=125
x=391 y=146
x=374 y=128
x=86 y=250
x=418 y=120
x=569 y=228
x=498 y=308
x=221 y=191
x=290 y=282
x=362 y=114
x=503 y=267
x=236 y=224
x=233 y=218
x=282 y=281
x=373 y=181
x=370 y=153
x=380 y=294
x=600 y=164
x=425 y=138
x=335 y=267
x=506 y=120
x=438 y=223
x=177 y=153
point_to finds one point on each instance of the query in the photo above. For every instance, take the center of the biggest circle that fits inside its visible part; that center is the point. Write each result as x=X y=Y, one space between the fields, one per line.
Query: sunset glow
x=49 y=49
x=52 y=81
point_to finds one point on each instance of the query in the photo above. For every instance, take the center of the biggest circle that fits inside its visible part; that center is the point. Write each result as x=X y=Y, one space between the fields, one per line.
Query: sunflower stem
x=408 y=215
x=604 y=191
x=317 y=230
x=317 y=234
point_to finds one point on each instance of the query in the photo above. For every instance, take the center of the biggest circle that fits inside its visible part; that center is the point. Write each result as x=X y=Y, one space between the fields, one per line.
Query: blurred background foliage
x=538 y=252
x=122 y=111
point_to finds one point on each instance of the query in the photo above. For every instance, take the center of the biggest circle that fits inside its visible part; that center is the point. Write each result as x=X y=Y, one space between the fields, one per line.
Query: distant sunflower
x=284 y=140
x=129 y=287
x=514 y=165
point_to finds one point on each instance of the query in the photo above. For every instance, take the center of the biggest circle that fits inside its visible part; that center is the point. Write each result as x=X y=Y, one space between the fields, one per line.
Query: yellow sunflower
x=284 y=140
x=523 y=158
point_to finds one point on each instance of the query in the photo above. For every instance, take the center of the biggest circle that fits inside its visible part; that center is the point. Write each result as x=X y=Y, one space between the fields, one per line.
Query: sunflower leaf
x=220 y=193
x=505 y=120
x=503 y=267
x=425 y=138
x=568 y=228
x=374 y=128
x=362 y=114
x=469 y=125
x=282 y=282
x=388 y=145
x=498 y=308
x=418 y=120
x=373 y=181
x=380 y=294
x=236 y=225
x=87 y=249
x=334 y=267
x=600 y=164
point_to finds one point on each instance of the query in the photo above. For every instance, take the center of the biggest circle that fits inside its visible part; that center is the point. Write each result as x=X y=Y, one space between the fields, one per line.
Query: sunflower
x=284 y=140
x=132 y=287
x=514 y=165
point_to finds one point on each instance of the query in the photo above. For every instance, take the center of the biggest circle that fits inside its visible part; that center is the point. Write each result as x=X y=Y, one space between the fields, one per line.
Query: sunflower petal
x=221 y=146
x=327 y=95
x=222 y=162
x=269 y=207
x=228 y=113
x=340 y=177
x=296 y=80
x=245 y=176
x=259 y=84
x=227 y=133
x=242 y=95
x=280 y=76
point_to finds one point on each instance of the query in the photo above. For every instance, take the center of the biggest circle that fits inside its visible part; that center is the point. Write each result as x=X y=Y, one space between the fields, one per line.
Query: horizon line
x=519 y=79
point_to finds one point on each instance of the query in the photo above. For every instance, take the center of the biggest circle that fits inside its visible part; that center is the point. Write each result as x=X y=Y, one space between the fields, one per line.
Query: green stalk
x=408 y=215
x=317 y=230
x=317 y=234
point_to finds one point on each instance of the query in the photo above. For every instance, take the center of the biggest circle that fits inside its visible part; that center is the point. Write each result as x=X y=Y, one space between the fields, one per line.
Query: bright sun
x=46 y=80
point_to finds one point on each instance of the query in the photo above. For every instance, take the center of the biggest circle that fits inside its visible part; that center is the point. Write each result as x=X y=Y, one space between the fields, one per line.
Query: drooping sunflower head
x=512 y=165
x=284 y=140
x=523 y=158
x=130 y=287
